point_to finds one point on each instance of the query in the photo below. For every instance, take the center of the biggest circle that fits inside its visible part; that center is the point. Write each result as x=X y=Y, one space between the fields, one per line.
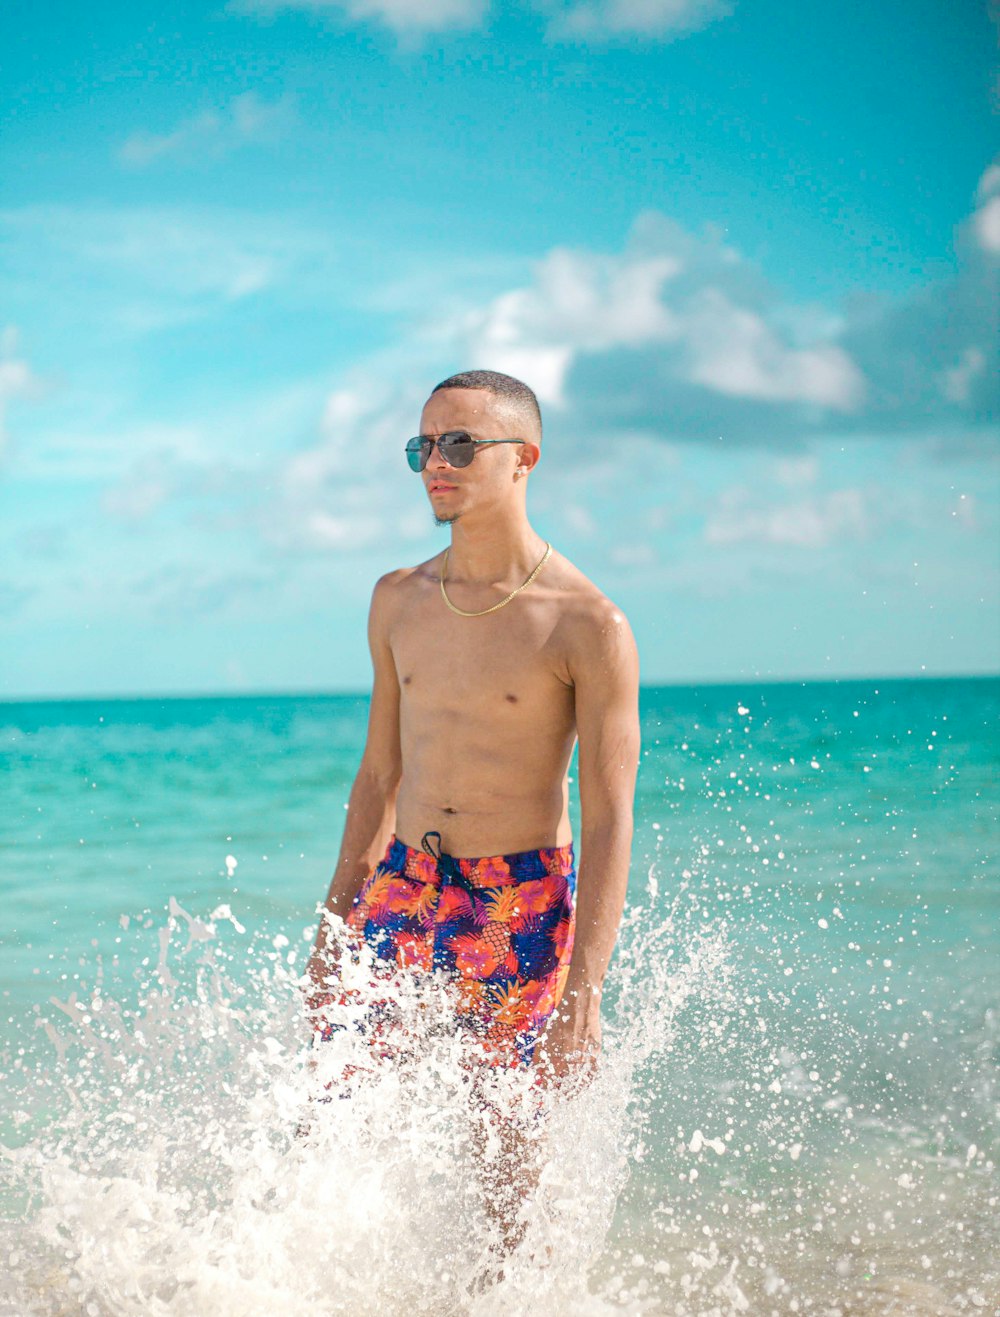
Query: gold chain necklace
x=483 y=611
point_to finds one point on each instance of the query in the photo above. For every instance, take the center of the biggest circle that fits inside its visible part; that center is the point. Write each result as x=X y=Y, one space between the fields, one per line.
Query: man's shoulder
x=594 y=629
x=401 y=579
x=584 y=606
x=389 y=582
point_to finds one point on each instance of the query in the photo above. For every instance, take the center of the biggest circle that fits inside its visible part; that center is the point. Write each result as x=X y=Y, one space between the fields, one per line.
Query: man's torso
x=487 y=713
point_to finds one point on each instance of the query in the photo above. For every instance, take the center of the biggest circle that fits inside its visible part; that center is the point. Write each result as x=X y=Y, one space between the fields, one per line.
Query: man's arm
x=371 y=807
x=605 y=671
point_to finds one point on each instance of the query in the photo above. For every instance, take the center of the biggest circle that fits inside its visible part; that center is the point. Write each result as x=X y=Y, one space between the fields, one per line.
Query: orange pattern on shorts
x=499 y=927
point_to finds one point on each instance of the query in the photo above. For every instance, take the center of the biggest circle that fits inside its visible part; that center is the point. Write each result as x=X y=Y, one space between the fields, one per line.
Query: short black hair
x=515 y=392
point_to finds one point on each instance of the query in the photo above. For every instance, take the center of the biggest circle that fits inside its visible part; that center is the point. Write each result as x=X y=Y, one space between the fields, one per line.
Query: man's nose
x=435 y=461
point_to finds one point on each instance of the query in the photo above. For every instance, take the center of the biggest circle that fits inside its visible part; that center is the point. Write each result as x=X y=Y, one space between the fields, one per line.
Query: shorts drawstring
x=428 y=848
x=448 y=867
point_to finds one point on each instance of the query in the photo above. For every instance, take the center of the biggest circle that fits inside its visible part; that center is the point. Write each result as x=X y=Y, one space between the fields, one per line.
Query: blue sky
x=746 y=253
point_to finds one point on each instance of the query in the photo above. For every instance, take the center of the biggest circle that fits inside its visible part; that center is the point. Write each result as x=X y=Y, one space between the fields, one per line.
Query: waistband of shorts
x=485 y=870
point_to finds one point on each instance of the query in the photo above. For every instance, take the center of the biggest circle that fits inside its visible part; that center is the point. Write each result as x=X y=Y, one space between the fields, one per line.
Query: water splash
x=183 y=1149
x=177 y=1146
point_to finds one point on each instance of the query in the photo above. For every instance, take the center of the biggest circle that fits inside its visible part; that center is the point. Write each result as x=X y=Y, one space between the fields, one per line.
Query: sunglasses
x=457 y=447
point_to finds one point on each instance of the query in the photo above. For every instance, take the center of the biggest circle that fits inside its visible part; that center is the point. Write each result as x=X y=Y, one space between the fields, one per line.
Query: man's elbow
x=608 y=814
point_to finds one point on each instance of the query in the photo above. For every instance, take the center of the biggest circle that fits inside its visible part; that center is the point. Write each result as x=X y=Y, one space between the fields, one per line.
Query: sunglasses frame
x=423 y=457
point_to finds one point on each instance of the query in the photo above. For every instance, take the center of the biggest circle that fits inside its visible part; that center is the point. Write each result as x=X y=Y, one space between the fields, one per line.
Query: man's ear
x=528 y=458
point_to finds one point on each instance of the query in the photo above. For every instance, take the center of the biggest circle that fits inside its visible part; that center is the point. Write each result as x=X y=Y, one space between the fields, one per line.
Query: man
x=490 y=661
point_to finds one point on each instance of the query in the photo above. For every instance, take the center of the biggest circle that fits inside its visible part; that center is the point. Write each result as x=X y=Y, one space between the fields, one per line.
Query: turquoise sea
x=798 y=1110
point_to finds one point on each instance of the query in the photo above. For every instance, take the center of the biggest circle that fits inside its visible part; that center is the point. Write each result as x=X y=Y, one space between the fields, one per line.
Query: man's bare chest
x=445 y=662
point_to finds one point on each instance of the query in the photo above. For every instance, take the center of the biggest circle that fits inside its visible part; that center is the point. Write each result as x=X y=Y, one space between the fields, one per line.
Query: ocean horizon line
x=319 y=693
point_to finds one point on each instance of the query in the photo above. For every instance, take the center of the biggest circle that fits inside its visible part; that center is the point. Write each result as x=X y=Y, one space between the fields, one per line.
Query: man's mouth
x=438 y=487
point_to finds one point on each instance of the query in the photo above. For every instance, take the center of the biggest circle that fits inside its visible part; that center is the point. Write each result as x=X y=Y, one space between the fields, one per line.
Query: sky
x=746 y=253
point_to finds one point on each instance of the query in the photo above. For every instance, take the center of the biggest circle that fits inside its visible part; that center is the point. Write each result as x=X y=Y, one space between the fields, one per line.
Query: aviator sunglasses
x=457 y=447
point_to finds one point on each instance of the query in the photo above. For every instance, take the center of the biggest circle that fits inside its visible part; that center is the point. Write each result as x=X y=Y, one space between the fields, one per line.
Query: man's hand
x=322 y=973
x=571 y=1044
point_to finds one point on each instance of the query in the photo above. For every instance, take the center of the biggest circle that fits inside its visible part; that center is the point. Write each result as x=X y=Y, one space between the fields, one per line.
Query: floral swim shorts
x=500 y=928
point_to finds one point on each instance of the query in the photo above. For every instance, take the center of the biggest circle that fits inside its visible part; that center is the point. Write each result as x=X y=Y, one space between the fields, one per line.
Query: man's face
x=489 y=477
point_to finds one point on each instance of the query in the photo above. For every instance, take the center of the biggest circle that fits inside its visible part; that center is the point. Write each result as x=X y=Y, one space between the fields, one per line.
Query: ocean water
x=797 y=1106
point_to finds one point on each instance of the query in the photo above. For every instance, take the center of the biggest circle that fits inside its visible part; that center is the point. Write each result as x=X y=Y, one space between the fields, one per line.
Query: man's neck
x=494 y=552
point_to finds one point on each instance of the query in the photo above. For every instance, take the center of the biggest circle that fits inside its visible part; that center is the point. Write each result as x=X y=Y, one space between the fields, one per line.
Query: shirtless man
x=490 y=660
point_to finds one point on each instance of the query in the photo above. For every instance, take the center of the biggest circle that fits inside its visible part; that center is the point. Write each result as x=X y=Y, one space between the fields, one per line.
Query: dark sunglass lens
x=417 y=453
x=457 y=448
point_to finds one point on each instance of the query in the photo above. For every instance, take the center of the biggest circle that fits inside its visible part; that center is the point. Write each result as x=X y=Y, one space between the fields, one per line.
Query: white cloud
x=930 y=357
x=213 y=133
x=692 y=301
x=144 y=269
x=795 y=472
x=679 y=327
x=352 y=488
x=740 y=517
x=648 y=18
x=989 y=183
x=417 y=15
x=154 y=478
x=593 y=19
x=674 y=339
x=987 y=224
x=189 y=587
x=579 y=301
x=733 y=351
x=197 y=257
x=633 y=555
x=216 y=464
x=958 y=380
x=986 y=218
x=726 y=358
x=17 y=380
x=579 y=519
x=407 y=19
x=904 y=500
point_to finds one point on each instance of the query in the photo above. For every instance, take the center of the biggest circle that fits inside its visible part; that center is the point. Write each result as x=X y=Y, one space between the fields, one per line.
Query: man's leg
x=507 y=1155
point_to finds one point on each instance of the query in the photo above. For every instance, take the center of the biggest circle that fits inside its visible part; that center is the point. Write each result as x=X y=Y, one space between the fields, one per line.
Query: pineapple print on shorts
x=500 y=926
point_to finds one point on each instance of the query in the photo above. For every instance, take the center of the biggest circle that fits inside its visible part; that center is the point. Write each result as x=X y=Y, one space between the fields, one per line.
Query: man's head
x=486 y=405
